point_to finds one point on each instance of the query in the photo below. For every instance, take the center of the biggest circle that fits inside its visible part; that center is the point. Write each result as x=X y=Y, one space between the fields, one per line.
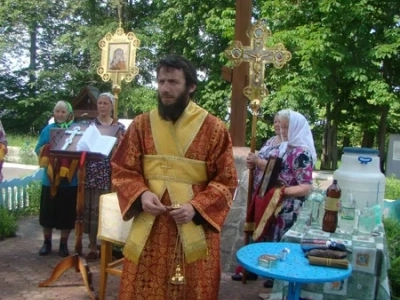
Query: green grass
x=26 y=144
x=19 y=140
x=392 y=188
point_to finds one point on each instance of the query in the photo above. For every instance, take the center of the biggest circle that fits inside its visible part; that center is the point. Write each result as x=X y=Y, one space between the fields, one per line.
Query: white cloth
x=112 y=227
x=299 y=135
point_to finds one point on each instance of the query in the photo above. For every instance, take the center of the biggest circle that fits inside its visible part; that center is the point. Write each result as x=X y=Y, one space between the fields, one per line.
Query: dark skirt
x=60 y=211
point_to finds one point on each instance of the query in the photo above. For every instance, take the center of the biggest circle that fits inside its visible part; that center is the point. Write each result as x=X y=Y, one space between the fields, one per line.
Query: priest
x=174 y=172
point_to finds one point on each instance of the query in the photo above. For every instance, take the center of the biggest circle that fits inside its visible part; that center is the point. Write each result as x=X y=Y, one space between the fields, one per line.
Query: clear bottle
x=347 y=213
x=330 y=220
x=317 y=197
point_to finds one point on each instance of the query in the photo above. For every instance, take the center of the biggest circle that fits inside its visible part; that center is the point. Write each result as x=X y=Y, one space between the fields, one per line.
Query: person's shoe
x=63 y=251
x=250 y=276
x=93 y=255
x=269 y=283
x=46 y=248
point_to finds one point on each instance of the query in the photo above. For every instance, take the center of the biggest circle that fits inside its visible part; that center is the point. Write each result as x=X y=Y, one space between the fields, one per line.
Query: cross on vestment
x=257 y=54
x=165 y=166
x=75 y=131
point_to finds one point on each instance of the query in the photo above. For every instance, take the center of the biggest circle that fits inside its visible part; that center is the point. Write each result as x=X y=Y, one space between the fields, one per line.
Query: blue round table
x=295 y=269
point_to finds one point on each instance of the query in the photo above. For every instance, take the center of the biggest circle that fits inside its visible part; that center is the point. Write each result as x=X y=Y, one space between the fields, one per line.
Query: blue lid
x=358 y=150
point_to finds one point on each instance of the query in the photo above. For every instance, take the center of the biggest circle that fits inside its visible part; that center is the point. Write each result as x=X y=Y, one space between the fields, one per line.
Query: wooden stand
x=107 y=266
x=77 y=261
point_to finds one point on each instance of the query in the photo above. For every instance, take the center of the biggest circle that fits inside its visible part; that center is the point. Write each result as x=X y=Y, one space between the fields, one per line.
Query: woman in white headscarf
x=298 y=160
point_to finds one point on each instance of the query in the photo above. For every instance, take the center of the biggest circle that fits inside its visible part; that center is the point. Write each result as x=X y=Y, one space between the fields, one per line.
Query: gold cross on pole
x=257 y=54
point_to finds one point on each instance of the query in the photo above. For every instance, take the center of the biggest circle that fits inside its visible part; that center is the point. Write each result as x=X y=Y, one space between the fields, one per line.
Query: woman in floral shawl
x=298 y=160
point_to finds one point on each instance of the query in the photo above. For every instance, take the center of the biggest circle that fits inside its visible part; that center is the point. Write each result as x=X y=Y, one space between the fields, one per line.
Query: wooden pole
x=252 y=150
x=255 y=105
x=116 y=90
x=237 y=127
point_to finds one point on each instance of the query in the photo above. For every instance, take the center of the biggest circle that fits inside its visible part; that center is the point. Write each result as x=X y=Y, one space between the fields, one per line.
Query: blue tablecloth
x=369 y=258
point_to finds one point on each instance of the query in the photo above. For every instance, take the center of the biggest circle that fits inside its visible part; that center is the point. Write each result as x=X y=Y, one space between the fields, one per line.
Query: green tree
x=336 y=75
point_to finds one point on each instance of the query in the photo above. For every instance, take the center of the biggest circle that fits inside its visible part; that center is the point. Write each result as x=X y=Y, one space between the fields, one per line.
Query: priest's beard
x=172 y=112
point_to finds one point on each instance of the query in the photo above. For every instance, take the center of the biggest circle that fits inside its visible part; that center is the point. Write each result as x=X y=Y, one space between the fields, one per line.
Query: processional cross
x=257 y=55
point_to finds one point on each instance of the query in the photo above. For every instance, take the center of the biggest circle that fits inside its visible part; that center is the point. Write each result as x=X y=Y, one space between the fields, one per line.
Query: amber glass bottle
x=330 y=220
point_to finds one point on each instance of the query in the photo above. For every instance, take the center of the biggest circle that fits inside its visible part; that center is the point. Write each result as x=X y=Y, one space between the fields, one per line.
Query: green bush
x=27 y=155
x=9 y=219
x=392 y=231
x=392 y=188
x=8 y=223
x=34 y=192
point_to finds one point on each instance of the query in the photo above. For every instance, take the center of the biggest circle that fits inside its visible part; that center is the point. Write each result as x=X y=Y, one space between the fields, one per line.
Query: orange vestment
x=149 y=278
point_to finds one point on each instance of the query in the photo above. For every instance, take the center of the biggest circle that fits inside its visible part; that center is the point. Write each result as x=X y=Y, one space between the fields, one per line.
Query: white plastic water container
x=360 y=173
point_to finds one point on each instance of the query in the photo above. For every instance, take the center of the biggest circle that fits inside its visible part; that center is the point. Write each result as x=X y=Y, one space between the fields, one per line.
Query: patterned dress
x=97 y=183
x=297 y=166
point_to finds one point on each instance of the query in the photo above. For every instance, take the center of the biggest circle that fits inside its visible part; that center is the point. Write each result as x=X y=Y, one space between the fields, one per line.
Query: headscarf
x=109 y=95
x=299 y=134
x=70 y=117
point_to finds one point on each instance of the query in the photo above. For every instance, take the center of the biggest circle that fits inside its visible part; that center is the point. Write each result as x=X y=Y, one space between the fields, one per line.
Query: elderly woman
x=57 y=210
x=259 y=160
x=3 y=149
x=298 y=160
x=98 y=176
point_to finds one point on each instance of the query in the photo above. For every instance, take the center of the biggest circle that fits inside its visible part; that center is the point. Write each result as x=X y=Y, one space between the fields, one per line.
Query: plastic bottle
x=330 y=220
x=360 y=172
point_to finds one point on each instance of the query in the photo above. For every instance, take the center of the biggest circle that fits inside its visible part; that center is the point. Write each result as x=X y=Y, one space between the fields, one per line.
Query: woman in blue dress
x=58 y=196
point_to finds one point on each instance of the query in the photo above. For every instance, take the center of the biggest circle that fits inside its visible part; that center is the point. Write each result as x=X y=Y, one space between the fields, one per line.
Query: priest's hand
x=151 y=204
x=184 y=214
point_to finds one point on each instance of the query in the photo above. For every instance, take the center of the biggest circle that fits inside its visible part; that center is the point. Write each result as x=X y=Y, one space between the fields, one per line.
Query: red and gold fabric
x=210 y=144
x=170 y=171
x=56 y=168
x=263 y=212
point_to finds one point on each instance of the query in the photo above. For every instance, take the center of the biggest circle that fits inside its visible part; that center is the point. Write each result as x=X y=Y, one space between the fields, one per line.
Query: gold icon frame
x=128 y=43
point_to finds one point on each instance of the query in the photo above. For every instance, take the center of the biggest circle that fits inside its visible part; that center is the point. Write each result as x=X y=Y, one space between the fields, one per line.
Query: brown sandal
x=93 y=255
